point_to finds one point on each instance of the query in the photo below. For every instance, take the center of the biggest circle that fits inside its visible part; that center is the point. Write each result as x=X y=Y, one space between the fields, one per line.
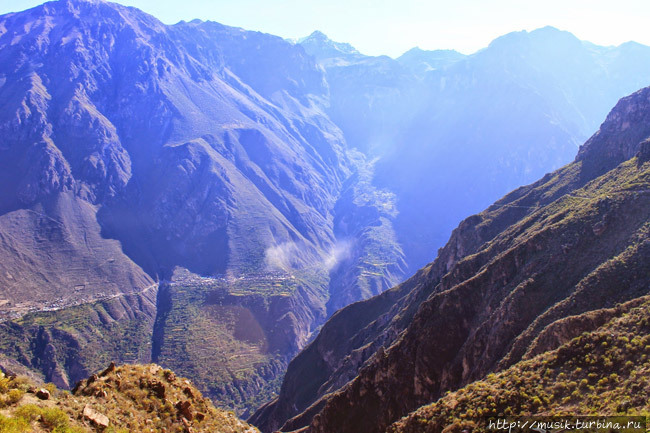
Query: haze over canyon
x=319 y=240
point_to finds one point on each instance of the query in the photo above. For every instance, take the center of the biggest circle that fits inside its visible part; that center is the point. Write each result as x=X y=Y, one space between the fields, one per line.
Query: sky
x=392 y=27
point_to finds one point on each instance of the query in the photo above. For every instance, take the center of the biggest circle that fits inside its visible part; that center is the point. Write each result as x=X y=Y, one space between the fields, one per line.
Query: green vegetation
x=221 y=334
x=88 y=336
x=604 y=372
x=23 y=412
x=130 y=398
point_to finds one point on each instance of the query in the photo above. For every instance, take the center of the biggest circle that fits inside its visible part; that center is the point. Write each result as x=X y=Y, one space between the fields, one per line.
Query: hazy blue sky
x=393 y=26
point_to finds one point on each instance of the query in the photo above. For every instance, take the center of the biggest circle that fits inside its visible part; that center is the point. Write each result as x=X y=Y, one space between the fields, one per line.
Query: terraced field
x=229 y=334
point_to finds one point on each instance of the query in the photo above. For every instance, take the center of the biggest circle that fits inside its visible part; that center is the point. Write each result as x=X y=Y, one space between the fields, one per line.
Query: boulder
x=96 y=418
x=43 y=394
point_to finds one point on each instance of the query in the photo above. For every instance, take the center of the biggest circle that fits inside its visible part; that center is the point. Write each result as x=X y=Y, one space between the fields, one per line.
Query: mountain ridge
x=544 y=252
x=159 y=168
x=144 y=151
x=519 y=99
x=579 y=377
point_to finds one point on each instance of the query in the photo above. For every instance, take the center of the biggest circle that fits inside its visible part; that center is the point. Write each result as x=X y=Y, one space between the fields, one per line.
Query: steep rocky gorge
x=206 y=197
x=573 y=242
x=132 y=152
x=454 y=133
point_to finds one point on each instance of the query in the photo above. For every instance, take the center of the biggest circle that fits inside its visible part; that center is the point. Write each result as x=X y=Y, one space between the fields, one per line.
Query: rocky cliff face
x=132 y=151
x=157 y=166
x=574 y=242
x=601 y=370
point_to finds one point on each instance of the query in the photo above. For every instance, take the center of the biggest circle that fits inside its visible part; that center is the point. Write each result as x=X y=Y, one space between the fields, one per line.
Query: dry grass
x=133 y=398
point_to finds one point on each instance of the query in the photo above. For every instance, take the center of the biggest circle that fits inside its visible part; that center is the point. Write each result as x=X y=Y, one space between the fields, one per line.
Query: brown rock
x=111 y=368
x=43 y=394
x=158 y=388
x=77 y=387
x=599 y=228
x=188 y=392
x=185 y=409
x=169 y=375
x=95 y=417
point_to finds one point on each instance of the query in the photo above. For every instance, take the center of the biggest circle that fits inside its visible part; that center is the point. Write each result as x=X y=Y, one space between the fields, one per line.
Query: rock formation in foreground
x=127 y=398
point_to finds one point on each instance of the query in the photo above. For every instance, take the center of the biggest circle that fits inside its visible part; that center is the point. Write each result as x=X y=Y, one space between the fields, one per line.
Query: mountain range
x=546 y=287
x=464 y=130
x=206 y=197
x=155 y=184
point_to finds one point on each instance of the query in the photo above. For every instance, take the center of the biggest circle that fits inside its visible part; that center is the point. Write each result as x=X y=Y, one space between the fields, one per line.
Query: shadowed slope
x=575 y=241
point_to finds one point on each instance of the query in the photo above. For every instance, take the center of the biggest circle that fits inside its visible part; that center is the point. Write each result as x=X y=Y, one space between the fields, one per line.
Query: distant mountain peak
x=548 y=29
x=420 y=61
x=418 y=50
x=82 y=1
x=316 y=34
x=322 y=47
x=72 y=4
x=548 y=34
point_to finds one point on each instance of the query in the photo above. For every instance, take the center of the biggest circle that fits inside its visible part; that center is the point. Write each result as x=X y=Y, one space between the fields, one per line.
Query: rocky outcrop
x=644 y=151
x=97 y=419
x=621 y=136
x=124 y=398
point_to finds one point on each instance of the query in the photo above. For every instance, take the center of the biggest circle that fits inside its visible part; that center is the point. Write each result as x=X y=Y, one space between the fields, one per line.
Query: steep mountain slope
x=64 y=346
x=119 y=399
x=137 y=158
x=602 y=372
x=183 y=194
x=573 y=242
x=473 y=128
x=371 y=98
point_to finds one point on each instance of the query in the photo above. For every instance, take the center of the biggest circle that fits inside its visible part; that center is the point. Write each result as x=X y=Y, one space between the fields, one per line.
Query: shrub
x=28 y=412
x=52 y=388
x=13 y=425
x=14 y=396
x=54 y=418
